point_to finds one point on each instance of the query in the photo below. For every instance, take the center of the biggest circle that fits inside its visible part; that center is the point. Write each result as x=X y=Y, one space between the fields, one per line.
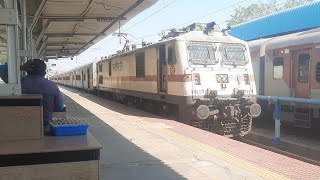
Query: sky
x=165 y=14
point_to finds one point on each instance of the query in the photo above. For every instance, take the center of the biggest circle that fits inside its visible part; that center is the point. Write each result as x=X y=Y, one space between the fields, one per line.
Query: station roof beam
x=74 y=24
x=77 y=25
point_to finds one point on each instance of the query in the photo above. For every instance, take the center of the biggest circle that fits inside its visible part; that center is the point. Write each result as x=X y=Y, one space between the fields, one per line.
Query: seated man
x=35 y=83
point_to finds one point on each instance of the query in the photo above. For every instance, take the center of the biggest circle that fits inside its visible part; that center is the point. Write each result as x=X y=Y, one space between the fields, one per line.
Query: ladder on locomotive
x=302 y=116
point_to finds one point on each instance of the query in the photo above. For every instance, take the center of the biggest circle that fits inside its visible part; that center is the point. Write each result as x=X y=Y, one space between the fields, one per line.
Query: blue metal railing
x=277 y=102
x=275 y=99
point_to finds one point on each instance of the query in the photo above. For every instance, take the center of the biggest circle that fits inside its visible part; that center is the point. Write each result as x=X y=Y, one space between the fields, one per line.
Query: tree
x=3 y=58
x=253 y=11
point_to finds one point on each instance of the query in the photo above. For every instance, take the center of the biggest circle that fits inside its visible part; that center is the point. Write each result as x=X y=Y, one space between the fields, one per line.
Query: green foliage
x=253 y=11
x=3 y=58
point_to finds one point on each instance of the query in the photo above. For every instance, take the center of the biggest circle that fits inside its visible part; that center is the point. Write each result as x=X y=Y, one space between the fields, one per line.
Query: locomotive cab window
x=202 y=53
x=233 y=54
x=318 y=72
x=140 y=69
x=278 y=68
x=303 y=68
x=100 y=67
x=171 y=56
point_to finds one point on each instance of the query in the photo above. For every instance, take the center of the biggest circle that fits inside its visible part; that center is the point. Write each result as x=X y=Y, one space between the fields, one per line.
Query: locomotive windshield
x=202 y=53
x=233 y=54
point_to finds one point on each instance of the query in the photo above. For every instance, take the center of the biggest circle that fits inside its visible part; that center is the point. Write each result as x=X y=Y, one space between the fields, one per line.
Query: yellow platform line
x=265 y=173
x=260 y=171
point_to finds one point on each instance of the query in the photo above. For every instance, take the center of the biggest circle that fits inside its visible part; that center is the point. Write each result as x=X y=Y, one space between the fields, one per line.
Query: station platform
x=139 y=145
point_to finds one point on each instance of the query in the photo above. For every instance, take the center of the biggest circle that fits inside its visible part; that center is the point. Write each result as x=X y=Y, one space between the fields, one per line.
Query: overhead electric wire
x=162 y=8
x=224 y=8
x=151 y=15
x=219 y=10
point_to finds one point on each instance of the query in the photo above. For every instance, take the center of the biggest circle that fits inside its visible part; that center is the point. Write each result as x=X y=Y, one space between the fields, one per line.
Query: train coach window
x=318 y=72
x=278 y=68
x=100 y=67
x=84 y=77
x=100 y=79
x=140 y=69
x=110 y=68
x=303 y=62
x=171 y=56
x=78 y=77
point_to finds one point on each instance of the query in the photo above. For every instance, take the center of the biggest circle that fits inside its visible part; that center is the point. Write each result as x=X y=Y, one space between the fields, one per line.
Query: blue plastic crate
x=67 y=127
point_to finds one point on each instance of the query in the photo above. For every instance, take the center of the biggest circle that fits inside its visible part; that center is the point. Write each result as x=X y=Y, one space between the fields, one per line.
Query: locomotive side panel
x=179 y=78
x=124 y=75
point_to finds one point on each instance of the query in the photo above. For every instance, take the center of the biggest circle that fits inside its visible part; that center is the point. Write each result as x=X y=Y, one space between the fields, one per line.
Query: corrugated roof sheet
x=291 y=20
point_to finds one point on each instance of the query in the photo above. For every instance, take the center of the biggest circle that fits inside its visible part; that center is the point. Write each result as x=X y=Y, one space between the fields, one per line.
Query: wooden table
x=51 y=158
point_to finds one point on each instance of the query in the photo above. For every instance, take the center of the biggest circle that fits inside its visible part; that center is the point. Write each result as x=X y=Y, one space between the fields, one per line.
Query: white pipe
x=12 y=48
x=24 y=27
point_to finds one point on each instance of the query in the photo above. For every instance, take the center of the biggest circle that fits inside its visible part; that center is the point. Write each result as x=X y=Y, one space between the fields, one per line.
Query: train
x=199 y=75
x=289 y=66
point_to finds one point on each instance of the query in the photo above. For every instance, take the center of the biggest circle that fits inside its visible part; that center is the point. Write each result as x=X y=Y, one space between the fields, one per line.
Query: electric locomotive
x=198 y=74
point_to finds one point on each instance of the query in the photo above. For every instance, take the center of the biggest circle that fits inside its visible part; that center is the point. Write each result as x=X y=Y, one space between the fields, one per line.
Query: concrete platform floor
x=139 y=145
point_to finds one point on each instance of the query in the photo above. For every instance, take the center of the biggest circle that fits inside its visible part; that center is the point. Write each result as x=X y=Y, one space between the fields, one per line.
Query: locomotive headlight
x=197 y=80
x=203 y=112
x=255 y=110
x=222 y=78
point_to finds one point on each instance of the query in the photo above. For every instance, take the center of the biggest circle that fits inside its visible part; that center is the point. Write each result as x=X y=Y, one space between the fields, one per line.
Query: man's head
x=35 y=67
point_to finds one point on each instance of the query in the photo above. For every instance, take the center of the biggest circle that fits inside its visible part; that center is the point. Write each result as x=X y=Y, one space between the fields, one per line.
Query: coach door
x=88 y=77
x=74 y=82
x=162 y=68
x=302 y=74
x=82 y=79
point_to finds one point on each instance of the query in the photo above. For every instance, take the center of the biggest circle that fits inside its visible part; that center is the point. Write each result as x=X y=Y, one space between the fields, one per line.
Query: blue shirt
x=52 y=97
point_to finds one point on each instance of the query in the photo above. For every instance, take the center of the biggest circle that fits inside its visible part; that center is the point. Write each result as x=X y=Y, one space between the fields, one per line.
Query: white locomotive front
x=221 y=93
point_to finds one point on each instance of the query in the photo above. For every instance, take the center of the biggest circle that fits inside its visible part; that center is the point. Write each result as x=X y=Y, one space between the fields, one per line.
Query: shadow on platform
x=115 y=106
x=120 y=158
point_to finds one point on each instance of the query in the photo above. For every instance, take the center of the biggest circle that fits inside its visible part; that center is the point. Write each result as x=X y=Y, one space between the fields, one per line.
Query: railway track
x=295 y=151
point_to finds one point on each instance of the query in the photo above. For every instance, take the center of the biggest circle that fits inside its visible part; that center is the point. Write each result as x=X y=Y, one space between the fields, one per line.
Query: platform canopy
x=65 y=28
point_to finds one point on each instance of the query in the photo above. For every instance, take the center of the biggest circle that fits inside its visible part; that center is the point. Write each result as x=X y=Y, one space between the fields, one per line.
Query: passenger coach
x=289 y=66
